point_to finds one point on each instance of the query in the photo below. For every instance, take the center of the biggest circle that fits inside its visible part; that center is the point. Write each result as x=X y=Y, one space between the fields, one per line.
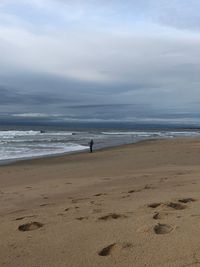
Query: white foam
x=29 y=144
x=41 y=150
x=12 y=134
x=62 y=133
x=136 y=133
x=155 y=133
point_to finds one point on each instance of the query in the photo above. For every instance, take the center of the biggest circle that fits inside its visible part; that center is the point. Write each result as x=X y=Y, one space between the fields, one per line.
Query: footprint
x=126 y=196
x=131 y=191
x=154 y=205
x=113 y=249
x=156 y=216
x=159 y=216
x=111 y=216
x=100 y=194
x=148 y=186
x=186 y=200
x=46 y=204
x=108 y=250
x=176 y=206
x=82 y=218
x=67 y=209
x=162 y=229
x=30 y=226
x=79 y=199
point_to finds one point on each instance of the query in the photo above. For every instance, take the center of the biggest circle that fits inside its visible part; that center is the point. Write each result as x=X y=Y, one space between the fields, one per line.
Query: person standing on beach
x=91 y=145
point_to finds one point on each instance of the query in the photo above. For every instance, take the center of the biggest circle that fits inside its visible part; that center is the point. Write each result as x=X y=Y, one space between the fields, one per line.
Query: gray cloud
x=141 y=59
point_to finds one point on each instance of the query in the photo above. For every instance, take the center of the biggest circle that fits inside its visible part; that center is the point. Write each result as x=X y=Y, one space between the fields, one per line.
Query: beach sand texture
x=134 y=205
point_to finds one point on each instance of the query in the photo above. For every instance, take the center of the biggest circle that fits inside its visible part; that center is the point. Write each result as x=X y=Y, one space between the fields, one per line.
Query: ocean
x=25 y=142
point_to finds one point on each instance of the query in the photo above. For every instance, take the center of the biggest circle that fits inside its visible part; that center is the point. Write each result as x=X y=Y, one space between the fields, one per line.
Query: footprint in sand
x=159 y=216
x=132 y=191
x=44 y=196
x=46 y=204
x=112 y=216
x=67 y=209
x=148 y=186
x=162 y=229
x=187 y=200
x=30 y=226
x=113 y=248
x=29 y=187
x=127 y=196
x=82 y=218
x=173 y=205
x=100 y=194
x=176 y=206
x=154 y=205
x=77 y=200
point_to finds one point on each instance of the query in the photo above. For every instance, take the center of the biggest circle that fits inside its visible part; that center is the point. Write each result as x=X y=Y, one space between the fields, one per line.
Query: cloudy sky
x=96 y=60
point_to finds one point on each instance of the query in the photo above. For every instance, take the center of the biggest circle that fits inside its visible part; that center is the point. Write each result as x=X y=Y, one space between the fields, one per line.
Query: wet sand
x=134 y=205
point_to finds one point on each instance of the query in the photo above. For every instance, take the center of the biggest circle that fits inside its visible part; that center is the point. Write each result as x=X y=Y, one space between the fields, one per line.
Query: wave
x=14 y=134
x=10 y=134
x=155 y=134
x=29 y=144
x=41 y=150
x=136 y=133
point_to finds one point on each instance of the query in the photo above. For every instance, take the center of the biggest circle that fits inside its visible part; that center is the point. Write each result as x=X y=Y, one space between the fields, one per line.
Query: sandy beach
x=133 y=205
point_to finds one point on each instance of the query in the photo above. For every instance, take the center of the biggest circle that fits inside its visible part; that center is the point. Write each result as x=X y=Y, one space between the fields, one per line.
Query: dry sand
x=135 y=205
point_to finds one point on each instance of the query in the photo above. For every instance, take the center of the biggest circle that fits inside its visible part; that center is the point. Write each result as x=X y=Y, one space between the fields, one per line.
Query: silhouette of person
x=91 y=145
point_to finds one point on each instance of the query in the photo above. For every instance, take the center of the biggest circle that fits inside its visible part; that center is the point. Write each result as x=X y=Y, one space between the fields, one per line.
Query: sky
x=89 y=60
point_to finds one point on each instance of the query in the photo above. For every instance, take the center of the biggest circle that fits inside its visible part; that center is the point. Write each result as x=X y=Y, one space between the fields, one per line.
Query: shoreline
x=99 y=145
x=9 y=162
x=100 y=209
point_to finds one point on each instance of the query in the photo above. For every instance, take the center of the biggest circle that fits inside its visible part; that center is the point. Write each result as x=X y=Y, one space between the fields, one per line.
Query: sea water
x=21 y=143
